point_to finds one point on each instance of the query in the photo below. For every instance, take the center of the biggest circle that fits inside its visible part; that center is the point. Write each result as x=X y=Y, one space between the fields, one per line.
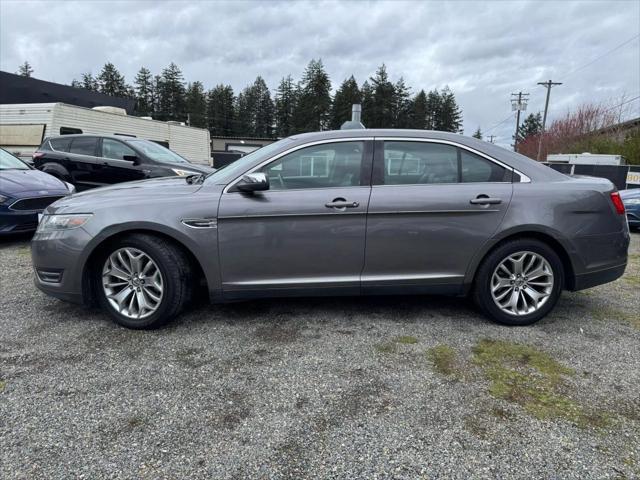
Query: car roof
x=99 y=135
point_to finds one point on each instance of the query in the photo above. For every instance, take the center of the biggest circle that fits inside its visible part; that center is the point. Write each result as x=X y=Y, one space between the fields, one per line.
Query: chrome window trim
x=523 y=178
x=293 y=149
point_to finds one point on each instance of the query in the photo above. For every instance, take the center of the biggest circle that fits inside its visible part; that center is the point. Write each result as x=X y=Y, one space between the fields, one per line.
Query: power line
x=601 y=56
x=500 y=123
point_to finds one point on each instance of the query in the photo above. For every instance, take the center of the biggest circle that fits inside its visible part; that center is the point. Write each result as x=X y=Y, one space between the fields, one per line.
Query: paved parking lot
x=393 y=387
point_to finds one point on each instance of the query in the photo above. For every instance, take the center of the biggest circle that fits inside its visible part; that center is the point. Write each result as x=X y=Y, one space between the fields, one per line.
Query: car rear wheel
x=142 y=281
x=520 y=282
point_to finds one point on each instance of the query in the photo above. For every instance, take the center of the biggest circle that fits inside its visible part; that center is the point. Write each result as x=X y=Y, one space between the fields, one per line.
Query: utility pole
x=548 y=86
x=491 y=137
x=518 y=102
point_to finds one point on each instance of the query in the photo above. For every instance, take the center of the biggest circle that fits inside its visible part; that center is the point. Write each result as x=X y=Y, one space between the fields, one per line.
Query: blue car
x=631 y=200
x=25 y=192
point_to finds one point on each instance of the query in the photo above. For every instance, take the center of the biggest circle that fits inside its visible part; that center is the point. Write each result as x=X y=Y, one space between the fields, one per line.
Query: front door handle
x=484 y=200
x=341 y=203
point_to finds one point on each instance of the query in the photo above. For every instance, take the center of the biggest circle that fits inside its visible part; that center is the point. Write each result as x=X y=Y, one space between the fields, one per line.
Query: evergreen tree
x=89 y=82
x=285 y=103
x=25 y=70
x=111 y=82
x=171 y=94
x=264 y=109
x=401 y=105
x=367 y=104
x=221 y=111
x=144 y=92
x=312 y=112
x=346 y=96
x=434 y=107
x=418 y=111
x=382 y=115
x=477 y=134
x=76 y=83
x=255 y=110
x=196 y=105
x=532 y=125
x=450 y=116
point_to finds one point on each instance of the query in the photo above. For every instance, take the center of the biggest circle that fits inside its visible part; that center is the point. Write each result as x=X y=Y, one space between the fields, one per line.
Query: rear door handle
x=484 y=200
x=341 y=204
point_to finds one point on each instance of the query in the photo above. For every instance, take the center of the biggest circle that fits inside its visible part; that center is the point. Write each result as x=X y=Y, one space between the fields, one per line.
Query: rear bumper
x=599 y=277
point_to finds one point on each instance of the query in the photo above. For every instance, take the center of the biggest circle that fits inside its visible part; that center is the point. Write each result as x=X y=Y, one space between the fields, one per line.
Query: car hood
x=18 y=183
x=123 y=194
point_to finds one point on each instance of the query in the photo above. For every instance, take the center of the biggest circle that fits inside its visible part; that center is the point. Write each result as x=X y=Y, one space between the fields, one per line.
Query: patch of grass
x=406 y=340
x=531 y=378
x=392 y=346
x=2 y=385
x=633 y=280
x=386 y=347
x=444 y=360
x=609 y=313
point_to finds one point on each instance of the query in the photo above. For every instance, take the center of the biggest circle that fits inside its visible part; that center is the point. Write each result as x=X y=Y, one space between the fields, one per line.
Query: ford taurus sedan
x=363 y=212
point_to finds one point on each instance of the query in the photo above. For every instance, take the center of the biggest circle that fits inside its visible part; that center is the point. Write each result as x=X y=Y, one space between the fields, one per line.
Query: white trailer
x=586 y=159
x=24 y=126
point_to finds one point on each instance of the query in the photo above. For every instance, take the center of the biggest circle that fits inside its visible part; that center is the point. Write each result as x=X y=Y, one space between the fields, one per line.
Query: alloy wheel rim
x=132 y=283
x=522 y=283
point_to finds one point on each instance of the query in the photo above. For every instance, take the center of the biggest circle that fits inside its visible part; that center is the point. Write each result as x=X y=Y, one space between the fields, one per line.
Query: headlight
x=70 y=187
x=632 y=201
x=51 y=223
x=183 y=173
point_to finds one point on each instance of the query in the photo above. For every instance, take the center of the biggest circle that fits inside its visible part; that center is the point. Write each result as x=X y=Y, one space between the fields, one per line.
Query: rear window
x=84 y=145
x=60 y=144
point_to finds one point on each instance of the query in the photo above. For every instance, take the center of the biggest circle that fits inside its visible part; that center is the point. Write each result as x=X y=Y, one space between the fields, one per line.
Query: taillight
x=617 y=202
x=37 y=155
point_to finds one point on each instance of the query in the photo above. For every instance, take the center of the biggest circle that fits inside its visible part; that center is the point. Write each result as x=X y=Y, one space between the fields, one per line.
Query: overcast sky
x=482 y=50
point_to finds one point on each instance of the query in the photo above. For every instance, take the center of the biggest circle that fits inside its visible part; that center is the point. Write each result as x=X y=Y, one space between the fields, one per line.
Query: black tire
x=482 y=286
x=174 y=267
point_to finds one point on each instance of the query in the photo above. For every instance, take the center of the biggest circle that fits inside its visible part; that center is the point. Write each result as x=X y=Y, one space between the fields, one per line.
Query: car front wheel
x=142 y=281
x=519 y=282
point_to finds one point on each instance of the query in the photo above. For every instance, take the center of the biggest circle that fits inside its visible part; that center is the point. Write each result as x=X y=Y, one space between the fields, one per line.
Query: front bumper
x=58 y=263
x=17 y=222
x=633 y=216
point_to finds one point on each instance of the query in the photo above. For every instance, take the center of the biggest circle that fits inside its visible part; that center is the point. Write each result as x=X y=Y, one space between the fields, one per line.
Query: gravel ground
x=395 y=387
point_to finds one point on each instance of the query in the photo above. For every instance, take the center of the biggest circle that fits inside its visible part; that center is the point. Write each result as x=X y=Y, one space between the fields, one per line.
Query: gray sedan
x=363 y=212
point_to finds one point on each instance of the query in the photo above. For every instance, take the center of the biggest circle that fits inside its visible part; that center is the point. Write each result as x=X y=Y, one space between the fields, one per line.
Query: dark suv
x=89 y=161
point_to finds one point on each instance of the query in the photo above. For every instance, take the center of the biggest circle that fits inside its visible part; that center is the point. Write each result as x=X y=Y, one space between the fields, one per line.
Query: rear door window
x=477 y=169
x=60 y=144
x=84 y=146
x=414 y=163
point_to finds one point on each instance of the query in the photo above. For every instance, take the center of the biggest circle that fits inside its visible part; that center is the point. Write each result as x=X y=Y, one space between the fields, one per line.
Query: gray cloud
x=482 y=50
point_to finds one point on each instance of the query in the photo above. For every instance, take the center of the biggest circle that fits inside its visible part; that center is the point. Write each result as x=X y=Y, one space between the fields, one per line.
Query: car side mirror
x=253 y=182
x=130 y=158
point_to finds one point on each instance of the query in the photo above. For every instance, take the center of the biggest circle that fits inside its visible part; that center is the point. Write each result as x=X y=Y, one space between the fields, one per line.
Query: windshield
x=157 y=152
x=9 y=162
x=229 y=172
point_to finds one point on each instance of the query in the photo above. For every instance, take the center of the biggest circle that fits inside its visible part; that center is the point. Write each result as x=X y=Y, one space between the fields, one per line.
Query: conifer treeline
x=295 y=107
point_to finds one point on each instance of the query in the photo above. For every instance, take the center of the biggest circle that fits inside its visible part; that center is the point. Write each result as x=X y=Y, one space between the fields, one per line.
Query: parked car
x=631 y=201
x=89 y=161
x=353 y=212
x=25 y=192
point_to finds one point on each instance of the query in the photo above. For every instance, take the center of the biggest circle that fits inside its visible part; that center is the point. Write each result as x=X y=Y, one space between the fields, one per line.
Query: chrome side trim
x=297 y=281
x=277 y=215
x=293 y=149
x=523 y=177
x=408 y=276
x=413 y=212
x=200 y=222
